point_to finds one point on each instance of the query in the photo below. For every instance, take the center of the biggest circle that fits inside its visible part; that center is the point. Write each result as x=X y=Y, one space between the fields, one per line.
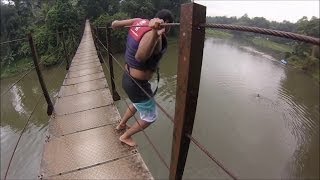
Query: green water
x=271 y=136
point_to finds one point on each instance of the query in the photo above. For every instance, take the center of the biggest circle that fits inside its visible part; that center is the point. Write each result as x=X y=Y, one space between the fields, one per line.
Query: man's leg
x=126 y=137
x=129 y=113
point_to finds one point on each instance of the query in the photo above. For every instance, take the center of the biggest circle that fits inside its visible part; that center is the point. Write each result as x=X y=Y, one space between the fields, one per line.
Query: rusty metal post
x=43 y=85
x=191 y=43
x=97 y=44
x=65 y=51
x=115 y=95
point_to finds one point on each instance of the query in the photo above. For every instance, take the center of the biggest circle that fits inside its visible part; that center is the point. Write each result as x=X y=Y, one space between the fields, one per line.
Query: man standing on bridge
x=146 y=44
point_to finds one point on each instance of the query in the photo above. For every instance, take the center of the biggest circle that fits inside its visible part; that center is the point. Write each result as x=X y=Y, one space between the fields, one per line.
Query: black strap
x=158 y=79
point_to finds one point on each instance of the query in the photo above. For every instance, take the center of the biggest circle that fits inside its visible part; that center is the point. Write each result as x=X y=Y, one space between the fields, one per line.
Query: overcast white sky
x=271 y=10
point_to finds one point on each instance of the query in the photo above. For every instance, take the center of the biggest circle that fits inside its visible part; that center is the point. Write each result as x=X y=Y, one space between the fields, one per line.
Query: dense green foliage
x=45 y=19
x=132 y=9
x=300 y=55
x=118 y=37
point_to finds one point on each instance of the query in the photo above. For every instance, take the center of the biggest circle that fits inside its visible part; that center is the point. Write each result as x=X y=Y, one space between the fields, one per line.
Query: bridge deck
x=83 y=143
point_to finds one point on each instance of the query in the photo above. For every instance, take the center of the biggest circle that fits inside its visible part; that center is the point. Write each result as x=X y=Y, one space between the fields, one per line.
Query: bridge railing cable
x=22 y=39
x=272 y=32
x=14 y=40
x=289 y=35
x=204 y=150
x=29 y=71
x=52 y=78
x=145 y=134
x=23 y=130
x=148 y=138
x=197 y=143
x=121 y=66
x=283 y=34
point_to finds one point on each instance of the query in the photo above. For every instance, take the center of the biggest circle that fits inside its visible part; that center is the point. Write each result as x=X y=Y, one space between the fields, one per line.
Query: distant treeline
x=301 y=55
x=302 y=26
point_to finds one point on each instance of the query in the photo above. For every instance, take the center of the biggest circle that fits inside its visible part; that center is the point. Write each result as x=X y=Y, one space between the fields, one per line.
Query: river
x=255 y=115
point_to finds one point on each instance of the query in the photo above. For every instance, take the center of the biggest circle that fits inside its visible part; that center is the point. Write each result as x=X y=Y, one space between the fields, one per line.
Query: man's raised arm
x=121 y=23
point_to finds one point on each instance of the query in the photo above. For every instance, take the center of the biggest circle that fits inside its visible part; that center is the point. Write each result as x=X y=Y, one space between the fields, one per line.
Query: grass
x=264 y=43
x=218 y=34
x=277 y=50
x=309 y=65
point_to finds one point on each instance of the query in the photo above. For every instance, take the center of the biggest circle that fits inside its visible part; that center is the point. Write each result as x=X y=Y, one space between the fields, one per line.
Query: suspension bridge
x=82 y=142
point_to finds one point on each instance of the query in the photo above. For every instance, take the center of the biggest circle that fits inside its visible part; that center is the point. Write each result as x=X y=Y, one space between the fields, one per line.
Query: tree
x=138 y=8
x=93 y=9
x=118 y=38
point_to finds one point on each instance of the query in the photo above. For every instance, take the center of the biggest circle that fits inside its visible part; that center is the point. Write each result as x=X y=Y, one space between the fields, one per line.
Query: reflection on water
x=16 y=100
x=16 y=107
x=301 y=115
x=258 y=117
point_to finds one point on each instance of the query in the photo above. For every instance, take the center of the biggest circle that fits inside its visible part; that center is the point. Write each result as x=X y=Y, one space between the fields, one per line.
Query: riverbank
x=16 y=68
x=272 y=50
x=25 y=64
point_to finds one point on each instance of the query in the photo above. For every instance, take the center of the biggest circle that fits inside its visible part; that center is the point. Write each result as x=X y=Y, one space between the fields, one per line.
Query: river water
x=255 y=115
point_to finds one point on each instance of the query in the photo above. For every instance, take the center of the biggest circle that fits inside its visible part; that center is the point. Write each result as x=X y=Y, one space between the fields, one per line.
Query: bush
x=49 y=60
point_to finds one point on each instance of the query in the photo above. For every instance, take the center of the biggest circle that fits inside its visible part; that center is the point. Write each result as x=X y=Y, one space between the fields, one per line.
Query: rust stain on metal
x=191 y=43
x=82 y=142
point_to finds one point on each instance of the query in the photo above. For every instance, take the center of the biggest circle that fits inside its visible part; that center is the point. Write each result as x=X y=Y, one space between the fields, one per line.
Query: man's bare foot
x=121 y=127
x=129 y=141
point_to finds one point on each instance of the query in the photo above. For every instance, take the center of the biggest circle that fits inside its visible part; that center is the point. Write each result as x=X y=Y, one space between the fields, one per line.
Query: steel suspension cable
x=161 y=25
x=24 y=128
x=289 y=35
x=148 y=138
x=26 y=124
x=145 y=134
x=14 y=40
x=203 y=149
x=30 y=70
x=283 y=34
x=160 y=107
